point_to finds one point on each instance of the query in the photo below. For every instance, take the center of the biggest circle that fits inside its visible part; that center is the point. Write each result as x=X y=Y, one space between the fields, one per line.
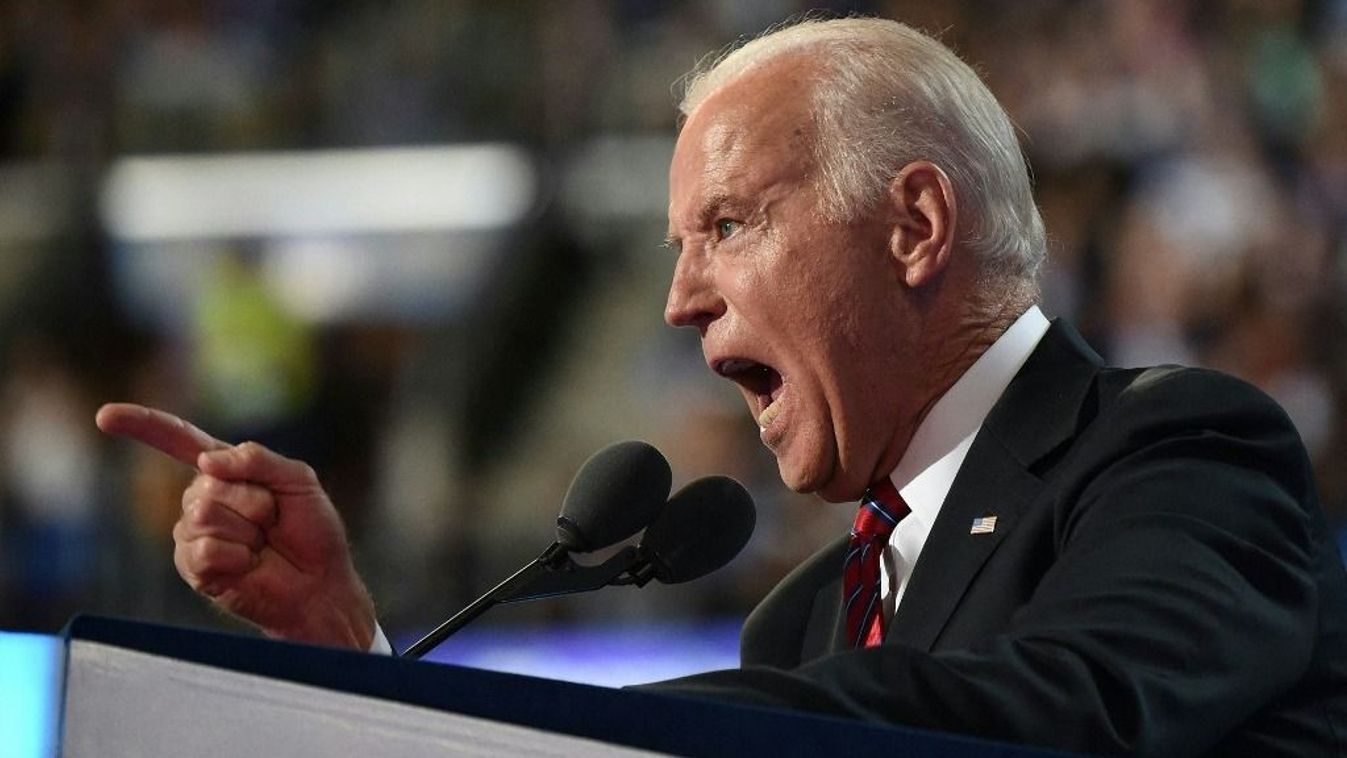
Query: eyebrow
x=710 y=210
x=714 y=205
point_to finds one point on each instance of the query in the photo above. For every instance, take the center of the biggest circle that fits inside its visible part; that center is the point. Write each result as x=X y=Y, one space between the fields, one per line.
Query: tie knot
x=881 y=510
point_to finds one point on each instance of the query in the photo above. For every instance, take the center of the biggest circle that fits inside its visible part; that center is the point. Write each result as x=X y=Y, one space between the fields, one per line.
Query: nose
x=693 y=299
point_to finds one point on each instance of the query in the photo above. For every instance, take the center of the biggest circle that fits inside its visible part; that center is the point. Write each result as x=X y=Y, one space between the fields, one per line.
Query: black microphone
x=703 y=527
x=615 y=494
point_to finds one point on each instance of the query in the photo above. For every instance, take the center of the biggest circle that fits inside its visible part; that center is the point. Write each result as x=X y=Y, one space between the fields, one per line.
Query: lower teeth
x=767 y=416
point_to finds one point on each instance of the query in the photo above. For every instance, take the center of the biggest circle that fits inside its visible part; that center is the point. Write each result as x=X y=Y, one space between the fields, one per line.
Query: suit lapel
x=1035 y=416
x=952 y=555
x=827 y=624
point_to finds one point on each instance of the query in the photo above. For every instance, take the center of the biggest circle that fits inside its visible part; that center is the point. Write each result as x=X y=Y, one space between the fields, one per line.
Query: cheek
x=766 y=288
x=809 y=297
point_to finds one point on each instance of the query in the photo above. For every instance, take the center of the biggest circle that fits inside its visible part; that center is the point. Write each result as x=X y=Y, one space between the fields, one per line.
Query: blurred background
x=417 y=244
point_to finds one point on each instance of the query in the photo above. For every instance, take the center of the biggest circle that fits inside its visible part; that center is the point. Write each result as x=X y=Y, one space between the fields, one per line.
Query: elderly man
x=1046 y=550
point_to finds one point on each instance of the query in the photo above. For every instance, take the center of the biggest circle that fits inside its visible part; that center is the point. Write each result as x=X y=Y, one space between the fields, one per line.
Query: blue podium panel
x=260 y=679
x=30 y=689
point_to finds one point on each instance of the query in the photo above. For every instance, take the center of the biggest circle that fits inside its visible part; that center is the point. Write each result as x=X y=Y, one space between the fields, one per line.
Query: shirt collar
x=933 y=457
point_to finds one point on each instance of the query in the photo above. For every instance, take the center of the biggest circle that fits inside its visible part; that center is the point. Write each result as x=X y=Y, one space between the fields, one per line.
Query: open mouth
x=762 y=382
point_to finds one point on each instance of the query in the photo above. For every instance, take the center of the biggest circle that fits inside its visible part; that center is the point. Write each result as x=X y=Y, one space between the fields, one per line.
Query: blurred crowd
x=1190 y=159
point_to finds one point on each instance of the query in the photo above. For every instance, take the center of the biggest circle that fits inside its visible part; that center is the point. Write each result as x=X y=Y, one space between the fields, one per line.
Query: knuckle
x=251 y=452
x=197 y=516
x=200 y=485
x=193 y=553
x=213 y=488
x=191 y=511
x=185 y=570
x=203 y=553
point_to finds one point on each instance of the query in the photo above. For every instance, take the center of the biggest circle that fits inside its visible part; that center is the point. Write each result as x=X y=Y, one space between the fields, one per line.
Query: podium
x=141 y=689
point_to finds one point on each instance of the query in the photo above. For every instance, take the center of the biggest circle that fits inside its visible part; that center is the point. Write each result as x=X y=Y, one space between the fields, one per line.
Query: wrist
x=341 y=617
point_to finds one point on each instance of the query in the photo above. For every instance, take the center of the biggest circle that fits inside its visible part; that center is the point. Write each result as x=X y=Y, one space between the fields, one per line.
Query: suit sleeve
x=1182 y=597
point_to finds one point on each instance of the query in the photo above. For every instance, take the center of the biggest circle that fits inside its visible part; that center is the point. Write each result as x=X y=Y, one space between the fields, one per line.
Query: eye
x=726 y=228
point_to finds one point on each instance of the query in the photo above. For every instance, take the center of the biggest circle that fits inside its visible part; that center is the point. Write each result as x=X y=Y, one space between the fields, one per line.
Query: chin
x=828 y=483
x=814 y=475
x=838 y=492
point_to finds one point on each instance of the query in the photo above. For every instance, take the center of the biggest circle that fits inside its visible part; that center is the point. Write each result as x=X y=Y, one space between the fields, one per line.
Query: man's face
x=802 y=312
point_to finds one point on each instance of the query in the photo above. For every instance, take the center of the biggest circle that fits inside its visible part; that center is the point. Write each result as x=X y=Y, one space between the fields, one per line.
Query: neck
x=953 y=339
x=961 y=328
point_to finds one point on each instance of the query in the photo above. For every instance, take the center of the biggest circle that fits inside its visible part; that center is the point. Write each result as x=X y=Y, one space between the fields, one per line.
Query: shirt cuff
x=380 y=643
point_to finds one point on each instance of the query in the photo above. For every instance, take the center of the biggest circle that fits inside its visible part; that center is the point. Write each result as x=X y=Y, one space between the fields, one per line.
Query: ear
x=922 y=200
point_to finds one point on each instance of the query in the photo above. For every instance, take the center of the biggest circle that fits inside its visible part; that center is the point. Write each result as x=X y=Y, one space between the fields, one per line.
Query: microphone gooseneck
x=616 y=493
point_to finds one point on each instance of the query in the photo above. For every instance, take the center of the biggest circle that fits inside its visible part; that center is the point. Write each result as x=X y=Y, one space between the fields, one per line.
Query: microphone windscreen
x=618 y=491
x=703 y=526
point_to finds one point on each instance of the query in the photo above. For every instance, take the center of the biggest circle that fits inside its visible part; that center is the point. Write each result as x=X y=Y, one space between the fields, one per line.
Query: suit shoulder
x=1192 y=395
x=1170 y=378
x=1071 y=421
x=1196 y=427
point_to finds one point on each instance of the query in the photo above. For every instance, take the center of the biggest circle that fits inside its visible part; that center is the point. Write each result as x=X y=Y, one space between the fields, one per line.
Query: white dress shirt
x=380 y=642
x=938 y=448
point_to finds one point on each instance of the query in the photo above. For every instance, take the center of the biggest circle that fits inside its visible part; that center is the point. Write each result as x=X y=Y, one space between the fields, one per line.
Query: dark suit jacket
x=1160 y=580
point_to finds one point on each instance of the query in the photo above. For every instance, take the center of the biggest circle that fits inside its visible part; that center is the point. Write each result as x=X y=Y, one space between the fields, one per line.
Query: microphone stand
x=550 y=574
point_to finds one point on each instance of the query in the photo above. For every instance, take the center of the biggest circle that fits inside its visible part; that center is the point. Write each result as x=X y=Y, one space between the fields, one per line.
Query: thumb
x=255 y=463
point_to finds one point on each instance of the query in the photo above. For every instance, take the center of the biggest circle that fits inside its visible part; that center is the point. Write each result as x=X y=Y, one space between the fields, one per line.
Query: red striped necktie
x=881 y=510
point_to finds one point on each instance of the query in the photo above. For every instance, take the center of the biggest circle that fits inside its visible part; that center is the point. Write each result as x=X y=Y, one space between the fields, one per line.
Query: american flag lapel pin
x=984 y=524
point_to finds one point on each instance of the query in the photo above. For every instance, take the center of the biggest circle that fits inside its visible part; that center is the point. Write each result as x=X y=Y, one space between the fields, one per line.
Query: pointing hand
x=257 y=534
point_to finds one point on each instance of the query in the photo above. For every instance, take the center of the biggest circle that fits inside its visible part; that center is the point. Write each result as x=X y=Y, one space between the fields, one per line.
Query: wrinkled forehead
x=756 y=129
x=758 y=108
x=771 y=127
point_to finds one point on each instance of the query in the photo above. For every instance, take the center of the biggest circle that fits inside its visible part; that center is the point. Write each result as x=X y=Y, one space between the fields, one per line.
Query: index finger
x=162 y=431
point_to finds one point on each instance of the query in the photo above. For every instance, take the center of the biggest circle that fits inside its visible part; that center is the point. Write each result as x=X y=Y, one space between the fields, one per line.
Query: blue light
x=602 y=654
x=30 y=682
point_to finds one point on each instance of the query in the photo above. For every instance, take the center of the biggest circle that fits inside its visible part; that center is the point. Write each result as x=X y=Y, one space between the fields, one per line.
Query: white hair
x=887 y=95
